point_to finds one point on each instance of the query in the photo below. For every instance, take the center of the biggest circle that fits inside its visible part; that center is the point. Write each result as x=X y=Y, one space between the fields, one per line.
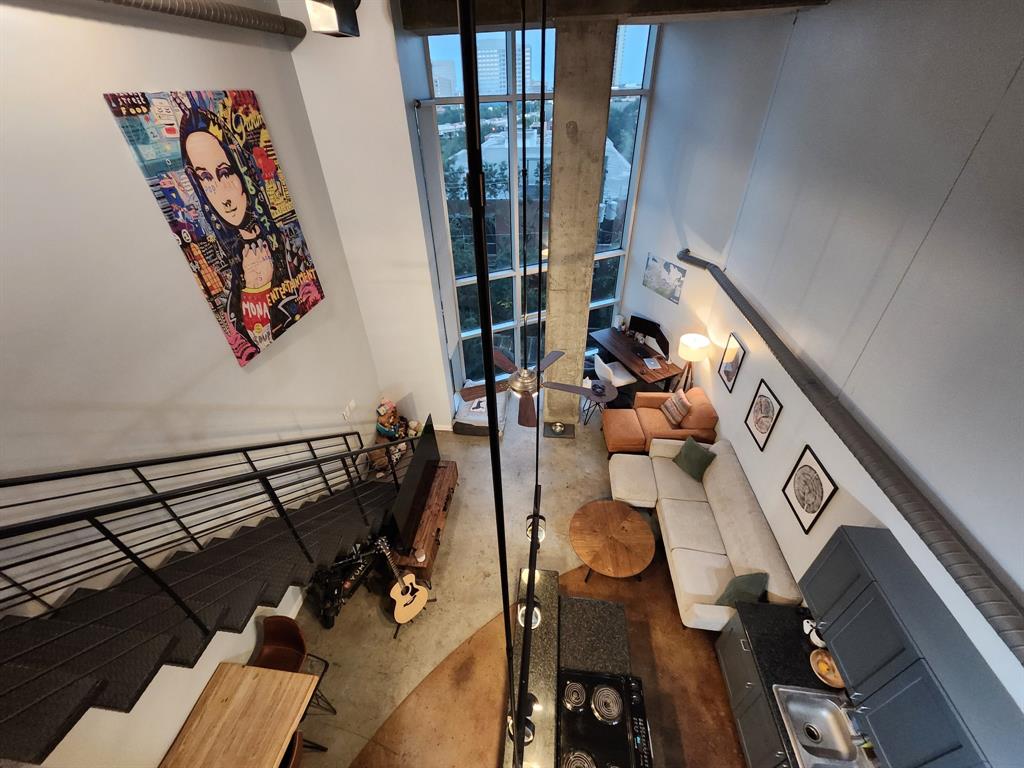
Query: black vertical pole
x=475 y=190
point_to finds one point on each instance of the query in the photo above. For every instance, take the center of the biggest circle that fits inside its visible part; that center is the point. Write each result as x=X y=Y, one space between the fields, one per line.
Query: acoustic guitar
x=409 y=596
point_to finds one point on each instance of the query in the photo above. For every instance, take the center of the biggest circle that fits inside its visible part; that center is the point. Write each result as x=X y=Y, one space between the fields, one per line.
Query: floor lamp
x=693 y=347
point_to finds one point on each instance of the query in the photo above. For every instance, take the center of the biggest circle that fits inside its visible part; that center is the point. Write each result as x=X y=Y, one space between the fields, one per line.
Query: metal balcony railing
x=65 y=529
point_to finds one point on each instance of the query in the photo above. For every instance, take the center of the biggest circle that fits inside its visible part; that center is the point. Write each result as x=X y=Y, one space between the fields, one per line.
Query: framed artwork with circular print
x=763 y=413
x=809 y=489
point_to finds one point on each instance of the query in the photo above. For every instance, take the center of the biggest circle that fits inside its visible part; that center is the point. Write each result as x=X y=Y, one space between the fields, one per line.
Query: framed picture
x=732 y=359
x=208 y=160
x=664 y=278
x=764 y=412
x=809 y=489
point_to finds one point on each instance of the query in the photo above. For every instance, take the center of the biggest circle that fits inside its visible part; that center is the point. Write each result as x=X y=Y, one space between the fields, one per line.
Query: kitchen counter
x=543 y=670
x=780 y=652
x=592 y=636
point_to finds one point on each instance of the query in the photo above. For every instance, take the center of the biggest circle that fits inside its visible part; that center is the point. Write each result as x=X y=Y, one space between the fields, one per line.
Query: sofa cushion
x=675 y=408
x=698 y=577
x=694 y=459
x=673 y=483
x=702 y=414
x=632 y=480
x=748 y=539
x=690 y=525
x=622 y=431
x=745 y=588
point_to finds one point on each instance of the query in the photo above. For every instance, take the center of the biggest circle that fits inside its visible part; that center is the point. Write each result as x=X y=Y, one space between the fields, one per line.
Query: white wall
x=103 y=738
x=881 y=233
x=364 y=145
x=107 y=349
x=713 y=82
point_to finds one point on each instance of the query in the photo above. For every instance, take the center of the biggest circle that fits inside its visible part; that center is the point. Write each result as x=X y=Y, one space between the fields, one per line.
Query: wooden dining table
x=620 y=346
x=245 y=717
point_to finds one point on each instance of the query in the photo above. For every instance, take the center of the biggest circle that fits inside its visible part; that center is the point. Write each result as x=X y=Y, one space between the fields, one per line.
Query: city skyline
x=446 y=61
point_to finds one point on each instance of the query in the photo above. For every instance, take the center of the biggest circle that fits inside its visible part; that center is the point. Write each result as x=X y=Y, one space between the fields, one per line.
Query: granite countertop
x=780 y=652
x=543 y=670
x=592 y=636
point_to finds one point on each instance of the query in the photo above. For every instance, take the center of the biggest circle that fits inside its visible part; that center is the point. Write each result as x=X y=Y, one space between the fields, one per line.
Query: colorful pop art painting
x=210 y=163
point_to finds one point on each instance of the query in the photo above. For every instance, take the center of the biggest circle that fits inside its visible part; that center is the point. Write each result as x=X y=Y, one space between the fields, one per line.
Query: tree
x=622 y=122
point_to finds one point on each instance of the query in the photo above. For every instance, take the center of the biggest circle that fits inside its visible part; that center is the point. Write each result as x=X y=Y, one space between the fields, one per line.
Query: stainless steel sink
x=819 y=729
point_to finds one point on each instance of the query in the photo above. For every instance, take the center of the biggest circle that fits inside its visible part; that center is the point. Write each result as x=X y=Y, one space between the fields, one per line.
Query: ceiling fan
x=527 y=381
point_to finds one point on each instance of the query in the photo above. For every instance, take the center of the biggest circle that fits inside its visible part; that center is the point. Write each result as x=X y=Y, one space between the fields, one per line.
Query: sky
x=446 y=48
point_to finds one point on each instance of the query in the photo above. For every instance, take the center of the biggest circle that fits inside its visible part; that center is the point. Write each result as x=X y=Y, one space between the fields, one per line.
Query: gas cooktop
x=602 y=722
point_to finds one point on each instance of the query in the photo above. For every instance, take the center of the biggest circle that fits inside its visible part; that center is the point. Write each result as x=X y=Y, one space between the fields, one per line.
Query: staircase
x=100 y=646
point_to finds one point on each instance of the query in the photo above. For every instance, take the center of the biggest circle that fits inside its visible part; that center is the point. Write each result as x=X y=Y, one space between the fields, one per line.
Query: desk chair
x=284 y=648
x=614 y=372
x=293 y=755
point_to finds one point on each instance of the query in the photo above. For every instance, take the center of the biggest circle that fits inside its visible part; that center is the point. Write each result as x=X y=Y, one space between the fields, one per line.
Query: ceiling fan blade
x=472 y=393
x=502 y=361
x=609 y=393
x=527 y=411
x=549 y=358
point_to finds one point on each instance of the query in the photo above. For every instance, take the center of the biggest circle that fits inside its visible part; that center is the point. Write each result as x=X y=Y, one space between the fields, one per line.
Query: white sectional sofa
x=712 y=531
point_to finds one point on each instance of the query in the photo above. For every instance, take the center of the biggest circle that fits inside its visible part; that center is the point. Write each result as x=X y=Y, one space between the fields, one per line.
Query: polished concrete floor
x=453 y=718
x=370 y=673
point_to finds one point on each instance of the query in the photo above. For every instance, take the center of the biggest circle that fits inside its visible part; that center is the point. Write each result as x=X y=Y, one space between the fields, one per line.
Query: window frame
x=437 y=203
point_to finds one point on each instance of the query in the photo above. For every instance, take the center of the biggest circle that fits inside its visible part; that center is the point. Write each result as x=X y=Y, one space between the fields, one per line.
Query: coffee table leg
x=587 y=577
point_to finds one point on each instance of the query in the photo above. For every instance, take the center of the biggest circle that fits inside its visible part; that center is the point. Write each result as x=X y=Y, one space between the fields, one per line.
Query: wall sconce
x=693 y=348
x=336 y=18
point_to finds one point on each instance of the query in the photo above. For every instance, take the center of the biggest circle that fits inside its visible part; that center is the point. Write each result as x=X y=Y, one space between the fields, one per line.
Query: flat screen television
x=404 y=519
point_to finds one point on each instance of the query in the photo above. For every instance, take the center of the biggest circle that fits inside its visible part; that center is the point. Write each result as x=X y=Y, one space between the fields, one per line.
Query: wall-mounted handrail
x=991 y=598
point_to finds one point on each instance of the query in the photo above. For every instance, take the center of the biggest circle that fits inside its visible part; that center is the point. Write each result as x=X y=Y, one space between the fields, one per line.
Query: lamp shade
x=694 y=347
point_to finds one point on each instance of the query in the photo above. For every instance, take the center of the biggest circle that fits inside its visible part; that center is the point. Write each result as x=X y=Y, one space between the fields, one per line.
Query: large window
x=514 y=264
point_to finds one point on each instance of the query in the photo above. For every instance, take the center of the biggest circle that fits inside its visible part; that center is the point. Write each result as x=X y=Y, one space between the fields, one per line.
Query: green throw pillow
x=693 y=458
x=748 y=588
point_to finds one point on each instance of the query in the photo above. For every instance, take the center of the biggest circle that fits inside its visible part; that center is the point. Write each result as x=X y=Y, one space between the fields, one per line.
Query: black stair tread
x=239 y=594
x=124 y=658
x=274 y=577
x=40 y=710
x=153 y=614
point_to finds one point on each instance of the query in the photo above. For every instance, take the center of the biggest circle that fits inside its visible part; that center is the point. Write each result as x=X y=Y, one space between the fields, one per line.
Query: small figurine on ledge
x=390 y=426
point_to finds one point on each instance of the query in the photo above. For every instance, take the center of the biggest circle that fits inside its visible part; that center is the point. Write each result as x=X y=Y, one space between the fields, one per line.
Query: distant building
x=490 y=63
x=444 y=78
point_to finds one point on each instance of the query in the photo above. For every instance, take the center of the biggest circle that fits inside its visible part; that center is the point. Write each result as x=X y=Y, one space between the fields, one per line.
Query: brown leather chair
x=293 y=755
x=283 y=648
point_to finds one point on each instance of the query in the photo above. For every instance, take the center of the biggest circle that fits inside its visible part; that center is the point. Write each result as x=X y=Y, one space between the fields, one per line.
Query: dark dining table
x=624 y=349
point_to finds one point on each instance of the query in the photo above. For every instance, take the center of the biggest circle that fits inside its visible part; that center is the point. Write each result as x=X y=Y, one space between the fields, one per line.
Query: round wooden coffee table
x=612 y=538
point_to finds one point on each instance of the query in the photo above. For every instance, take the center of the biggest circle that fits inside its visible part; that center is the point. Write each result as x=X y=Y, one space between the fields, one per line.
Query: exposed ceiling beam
x=436 y=16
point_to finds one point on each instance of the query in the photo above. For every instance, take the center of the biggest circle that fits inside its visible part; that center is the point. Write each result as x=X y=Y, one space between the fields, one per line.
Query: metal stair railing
x=133 y=519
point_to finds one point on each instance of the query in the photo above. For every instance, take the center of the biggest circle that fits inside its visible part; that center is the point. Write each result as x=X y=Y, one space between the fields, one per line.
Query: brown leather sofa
x=631 y=430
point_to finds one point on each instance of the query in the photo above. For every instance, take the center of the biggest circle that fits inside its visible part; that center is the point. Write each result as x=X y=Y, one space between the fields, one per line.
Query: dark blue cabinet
x=869 y=643
x=834 y=580
x=914 y=725
x=922 y=689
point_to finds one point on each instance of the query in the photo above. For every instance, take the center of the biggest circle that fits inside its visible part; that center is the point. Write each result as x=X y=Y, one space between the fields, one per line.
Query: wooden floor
x=454 y=717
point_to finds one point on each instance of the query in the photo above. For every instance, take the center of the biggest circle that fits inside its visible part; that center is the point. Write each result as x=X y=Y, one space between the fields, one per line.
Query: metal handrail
x=318 y=470
x=10 y=482
x=66 y=518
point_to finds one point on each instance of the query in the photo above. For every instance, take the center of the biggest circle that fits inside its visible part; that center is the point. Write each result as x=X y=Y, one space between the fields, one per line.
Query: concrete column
x=583 y=79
